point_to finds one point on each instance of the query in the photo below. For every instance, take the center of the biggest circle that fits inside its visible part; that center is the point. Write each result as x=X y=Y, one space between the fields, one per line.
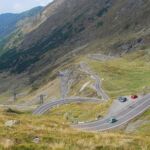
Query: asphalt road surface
x=98 y=82
x=46 y=107
x=123 y=117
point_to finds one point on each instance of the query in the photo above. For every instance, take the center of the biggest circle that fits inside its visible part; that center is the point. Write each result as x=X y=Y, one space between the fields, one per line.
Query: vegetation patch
x=99 y=24
x=126 y=75
x=81 y=111
x=54 y=133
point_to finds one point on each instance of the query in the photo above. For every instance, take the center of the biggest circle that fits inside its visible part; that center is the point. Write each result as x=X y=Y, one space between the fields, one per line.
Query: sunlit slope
x=127 y=75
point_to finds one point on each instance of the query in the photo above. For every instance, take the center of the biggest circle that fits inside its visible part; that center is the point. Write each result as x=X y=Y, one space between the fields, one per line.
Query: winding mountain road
x=98 y=83
x=123 y=117
x=46 y=107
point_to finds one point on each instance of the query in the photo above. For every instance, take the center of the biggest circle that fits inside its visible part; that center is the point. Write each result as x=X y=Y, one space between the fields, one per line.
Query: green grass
x=77 y=85
x=124 y=76
x=55 y=134
x=5 y=97
x=145 y=127
x=81 y=111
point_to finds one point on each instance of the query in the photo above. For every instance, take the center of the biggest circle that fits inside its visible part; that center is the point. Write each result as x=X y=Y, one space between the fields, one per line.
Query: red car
x=134 y=96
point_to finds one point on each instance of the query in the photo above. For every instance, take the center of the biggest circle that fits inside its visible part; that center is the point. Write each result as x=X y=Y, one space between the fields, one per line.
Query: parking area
x=123 y=102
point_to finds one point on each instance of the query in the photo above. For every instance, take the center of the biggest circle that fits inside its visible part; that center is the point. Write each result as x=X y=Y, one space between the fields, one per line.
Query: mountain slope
x=68 y=28
x=75 y=48
x=9 y=21
x=73 y=23
x=51 y=132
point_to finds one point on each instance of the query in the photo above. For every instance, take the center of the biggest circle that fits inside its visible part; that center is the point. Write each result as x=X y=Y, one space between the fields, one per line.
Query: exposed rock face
x=130 y=45
x=36 y=140
x=11 y=123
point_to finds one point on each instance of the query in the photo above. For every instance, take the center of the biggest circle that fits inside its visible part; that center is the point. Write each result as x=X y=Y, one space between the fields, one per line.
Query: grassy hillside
x=59 y=39
x=125 y=76
x=121 y=76
x=55 y=134
x=81 y=112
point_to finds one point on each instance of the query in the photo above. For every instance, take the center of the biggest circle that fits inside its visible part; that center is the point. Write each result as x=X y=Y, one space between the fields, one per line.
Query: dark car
x=112 y=120
x=122 y=99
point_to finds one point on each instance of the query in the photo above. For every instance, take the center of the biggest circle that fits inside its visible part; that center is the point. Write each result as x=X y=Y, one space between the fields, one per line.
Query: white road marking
x=119 y=117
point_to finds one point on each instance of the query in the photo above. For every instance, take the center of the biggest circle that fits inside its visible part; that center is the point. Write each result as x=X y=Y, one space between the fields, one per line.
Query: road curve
x=98 y=82
x=99 y=89
x=123 y=117
x=46 y=107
